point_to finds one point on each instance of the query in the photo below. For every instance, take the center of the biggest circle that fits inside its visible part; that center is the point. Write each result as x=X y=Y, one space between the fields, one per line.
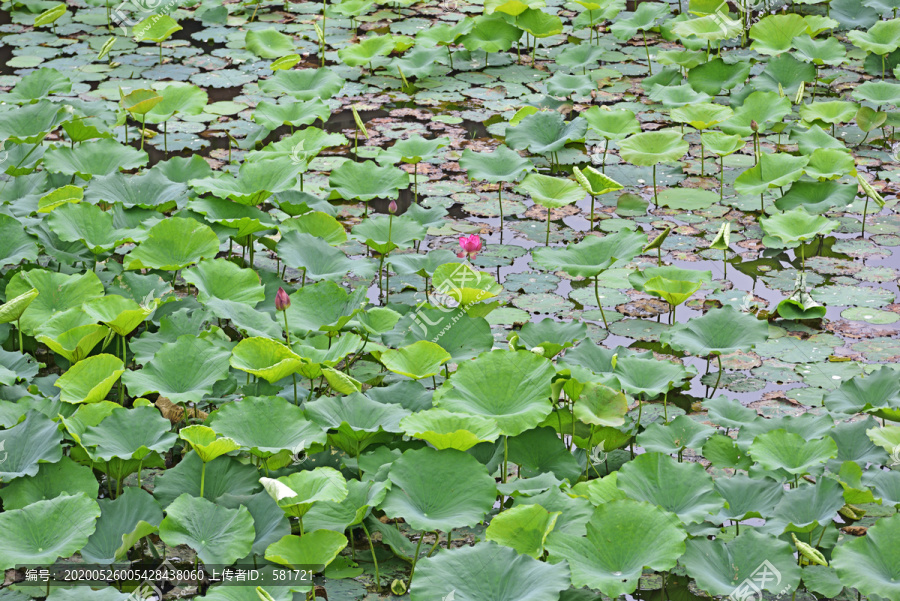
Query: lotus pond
x=512 y=300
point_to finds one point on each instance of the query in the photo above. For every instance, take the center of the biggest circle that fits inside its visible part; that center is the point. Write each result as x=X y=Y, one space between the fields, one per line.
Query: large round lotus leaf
x=540 y=451
x=623 y=537
x=178 y=97
x=204 y=442
x=89 y=225
x=318 y=224
x=34 y=440
x=269 y=520
x=551 y=192
x=255 y=181
x=501 y=165
x=445 y=430
x=265 y=358
x=97 y=158
x=681 y=433
x=123 y=521
x=413 y=150
x=649 y=377
x=772 y=171
x=298 y=492
x=702 y=115
x=129 y=434
x=268 y=43
x=491 y=33
x=220 y=278
x=594 y=182
x=865 y=393
x=356 y=421
x=218 y=535
x=593 y=254
x=313 y=550
x=318 y=260
x=883 y=37
x=52 y=479
x=797 y=225
x=685 y=489
x=325 y=306
x=601 y=405
x=339 y=515
x=421 y=359
x=57 y=292
x=224 y=476
x=383 y=234
x=878 y=92
x=512 y=387
x=90 y=380
x=612 y=124
x=122 y=315
x=870 y=563
x=46 y=530
x=356 y=55
x=653 y=147
x=365 y=181
x=464 y=284
x=549 y=335
x=748 y=497
x=523 y=528
x=266 y=425
x=545 y=132
x=783 y=450
x=807 y=507
x=718 y=331
x=773 y=34
x=439 y=490
x=16 y=245
x=751 y=560
x=184 y=370
x=487 y=572
x=303 y=84
x=460 y=334
x=68 y=335
x=172 y=244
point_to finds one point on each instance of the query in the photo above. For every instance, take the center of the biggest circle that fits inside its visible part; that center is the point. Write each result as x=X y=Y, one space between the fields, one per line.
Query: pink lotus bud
x=392 y=208
x=282 y=300
x=470 y=245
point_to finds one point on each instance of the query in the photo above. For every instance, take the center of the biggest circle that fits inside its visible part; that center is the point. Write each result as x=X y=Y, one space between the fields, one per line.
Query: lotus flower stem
x=666 y=409
x=865 y=210
x=547 y=241
x=591 y=216
x=121 y=385
x=412 y=571
x=19 y=331
x=372 y=550
x=437 y=541
x=143 y=129
x=202 y=478
x=647 y=48
x=722 y=177
x=505 y=459
x=719 y=378
x=450 y=533
x=597 y=296
x=655 y=197
x=500 y=204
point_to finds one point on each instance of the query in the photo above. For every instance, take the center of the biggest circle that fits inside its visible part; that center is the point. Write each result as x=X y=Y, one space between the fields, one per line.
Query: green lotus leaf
x=490 y=33
x=320 y=261
x=539 y=23
x=443 y=34
x=832 y=112
x=222 y=477
x=419 y=360
x=444 y=430
x=44 y=531
x=243 y=218
x=593 y=255
x=817 y=197
x=272 y=116
x=67 y=334
x=352 y=510
x=439 y=490
x=155 y=28
x=501 y=165
x=716 y=75
x=512 y=387
x=612 y=124
x=549 y=335
x=298 y=492
x=718 y=331
x=600 y=405
x=220 y=278
x=178 y=97
x=545 y=132
x=865 y=394
x=204 y=442
x=268 y=43
x=184 y=370
x=16 y=245
x=623 y=537
x=773 y=34
x=256 y=180
x=90 y=380
x=772 y=171
x=303 y=84
x=464 y=284
x=13 y=309
x=713 y=27
x=645 y=16
x=366 y=180
x=551 y=192
x=121 y=315
x=523 y=528
x=783 y=450
x=801 y=305
x=130 y=434
x=357 y=55
x=219 y=535
x=318 y=224
x=679 y=434
x=52 y=479
x=173 y=244
x=748 y=497
x=150 y=190
x=703 y=115
x=265 y=358
x=673 y=292
x=649 y=377
x=140 y=102
x=355 y=421
x=123 y=522
x=314 y=550
x=467 y=338
x=830 y=163
x=867 y=562
x=882 y=38
x=324 y=306
x=31 y=123
x=878 y=92
x=748 y=562
x=413 y=150
x=653 y=147
x=766 y=108
x=28 y=443
x=820 y=52
x=594 y=182
x=797 y=225
x=250 y=422
x=673 y=96
x=806 y=508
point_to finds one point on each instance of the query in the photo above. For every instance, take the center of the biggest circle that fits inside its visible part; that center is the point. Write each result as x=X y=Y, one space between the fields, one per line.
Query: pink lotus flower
x=470 y=246
x=282 y=300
